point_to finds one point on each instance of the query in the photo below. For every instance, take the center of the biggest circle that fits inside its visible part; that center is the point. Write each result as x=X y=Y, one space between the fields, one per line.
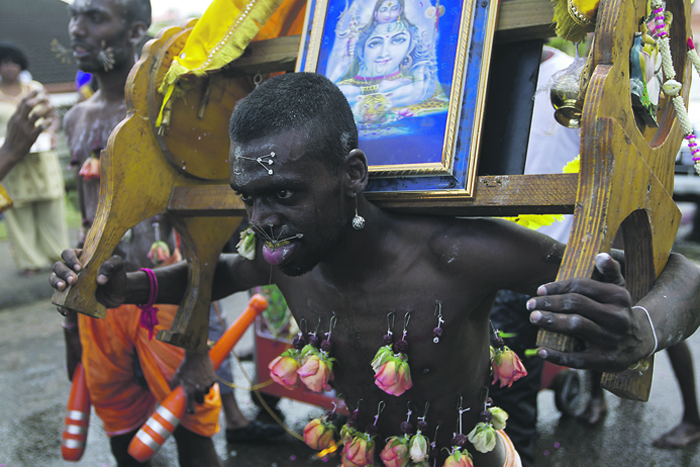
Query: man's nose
x=76 y=27
x=262 y=215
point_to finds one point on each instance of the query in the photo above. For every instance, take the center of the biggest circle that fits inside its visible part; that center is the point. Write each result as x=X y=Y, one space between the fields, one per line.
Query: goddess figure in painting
x=387 y=68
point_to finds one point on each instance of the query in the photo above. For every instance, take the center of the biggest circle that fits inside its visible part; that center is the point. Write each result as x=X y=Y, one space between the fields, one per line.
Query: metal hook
x=318 y=325
x=257 y=79
x=495 y=331
x=461 y=411
x=406 y=319
x=302 y=322
x=484 y=396
x=408 y=414
x=390 y=316
x=425 y=414
x=331 y=326
x=380 y=409
x=438 y=308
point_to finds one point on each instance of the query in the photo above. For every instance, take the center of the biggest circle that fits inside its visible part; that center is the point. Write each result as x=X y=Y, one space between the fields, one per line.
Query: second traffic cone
x=167 y=417
x=77 y=418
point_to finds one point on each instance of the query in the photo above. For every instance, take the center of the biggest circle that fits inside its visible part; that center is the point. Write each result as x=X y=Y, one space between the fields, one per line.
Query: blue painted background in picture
x=394 y=61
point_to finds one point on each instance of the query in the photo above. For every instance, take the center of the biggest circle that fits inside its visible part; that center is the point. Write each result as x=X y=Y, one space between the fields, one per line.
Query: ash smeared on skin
x=554 y=254
x=242 y=175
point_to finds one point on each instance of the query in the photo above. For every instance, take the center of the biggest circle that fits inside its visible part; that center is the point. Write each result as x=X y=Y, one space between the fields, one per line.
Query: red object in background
x=77 y=418
x=167 y=417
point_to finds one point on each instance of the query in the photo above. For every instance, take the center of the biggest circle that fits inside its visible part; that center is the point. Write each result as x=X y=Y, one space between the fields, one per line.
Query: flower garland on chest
x=309 y=362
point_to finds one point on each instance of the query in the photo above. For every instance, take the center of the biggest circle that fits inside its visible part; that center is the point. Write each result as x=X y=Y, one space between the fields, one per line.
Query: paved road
x=34 y=390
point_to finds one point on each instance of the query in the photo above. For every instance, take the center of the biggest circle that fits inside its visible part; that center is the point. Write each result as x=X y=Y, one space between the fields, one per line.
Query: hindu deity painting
x=384 y=56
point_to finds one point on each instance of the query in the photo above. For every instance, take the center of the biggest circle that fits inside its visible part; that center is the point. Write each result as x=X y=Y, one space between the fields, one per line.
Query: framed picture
x=414 y=73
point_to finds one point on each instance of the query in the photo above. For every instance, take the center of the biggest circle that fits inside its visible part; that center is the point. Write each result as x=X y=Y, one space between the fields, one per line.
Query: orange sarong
x=109 y=348
x=512 y=456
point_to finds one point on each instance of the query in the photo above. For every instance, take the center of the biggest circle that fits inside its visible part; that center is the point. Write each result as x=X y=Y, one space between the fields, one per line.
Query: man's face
x=300 y=197
x=98 y=26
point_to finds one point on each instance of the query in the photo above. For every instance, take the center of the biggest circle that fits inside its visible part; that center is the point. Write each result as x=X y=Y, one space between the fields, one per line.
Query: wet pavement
x=34 y=391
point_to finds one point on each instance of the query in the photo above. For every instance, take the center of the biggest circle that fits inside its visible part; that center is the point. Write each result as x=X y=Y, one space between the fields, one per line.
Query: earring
x=418 y=446
x=396 y=451
x=391 y=371
x=358 y=222
x=437 y=331
x=359 y=446
x=483 y=436
x=459 y=440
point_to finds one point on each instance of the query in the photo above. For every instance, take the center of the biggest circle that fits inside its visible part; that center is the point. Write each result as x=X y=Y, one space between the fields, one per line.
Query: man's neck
x=112 y=83
x=360 y=251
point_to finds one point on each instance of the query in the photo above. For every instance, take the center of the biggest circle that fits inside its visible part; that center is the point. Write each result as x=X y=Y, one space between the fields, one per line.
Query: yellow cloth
x=218 y=38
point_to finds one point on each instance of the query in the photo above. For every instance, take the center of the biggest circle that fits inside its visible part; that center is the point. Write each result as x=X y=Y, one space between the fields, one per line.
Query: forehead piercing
x=262 y=161
x=358 y=222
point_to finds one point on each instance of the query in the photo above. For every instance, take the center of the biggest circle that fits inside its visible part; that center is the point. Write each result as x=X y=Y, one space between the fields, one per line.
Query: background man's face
x=98 y=26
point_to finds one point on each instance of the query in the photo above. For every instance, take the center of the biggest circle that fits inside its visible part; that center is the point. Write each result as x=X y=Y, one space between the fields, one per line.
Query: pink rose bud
x=283 y=370
x=395 y=453
x=507 y=367
x=90 y=169
x=315 y=373
x=319 y=435
x=359 y=453
x=459 y=459
x=394 y=376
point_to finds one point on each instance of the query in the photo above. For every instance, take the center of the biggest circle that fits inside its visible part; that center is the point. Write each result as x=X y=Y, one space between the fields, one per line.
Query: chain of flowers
x=671 y=87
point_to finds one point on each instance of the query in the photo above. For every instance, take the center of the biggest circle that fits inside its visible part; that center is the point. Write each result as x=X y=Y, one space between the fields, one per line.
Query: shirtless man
x=400 y=263
x=104 y=35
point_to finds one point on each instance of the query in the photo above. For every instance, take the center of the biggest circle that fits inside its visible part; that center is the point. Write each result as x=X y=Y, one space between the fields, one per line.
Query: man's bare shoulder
x=78 y=112
x=489 y=245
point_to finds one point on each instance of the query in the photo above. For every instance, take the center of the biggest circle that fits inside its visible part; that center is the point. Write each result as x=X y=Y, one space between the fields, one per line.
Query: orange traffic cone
x=167 y=417
x=77 y=418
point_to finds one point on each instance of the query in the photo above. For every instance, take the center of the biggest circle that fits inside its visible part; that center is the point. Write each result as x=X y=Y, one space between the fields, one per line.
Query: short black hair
x=138 y=10
x=307 y=102
x=11 y=51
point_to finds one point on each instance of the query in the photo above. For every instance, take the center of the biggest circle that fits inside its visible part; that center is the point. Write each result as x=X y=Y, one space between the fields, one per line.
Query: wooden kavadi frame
x=625 y=182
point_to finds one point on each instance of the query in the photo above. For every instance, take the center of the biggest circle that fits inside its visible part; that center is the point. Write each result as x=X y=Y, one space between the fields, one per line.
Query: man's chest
x=90 y=132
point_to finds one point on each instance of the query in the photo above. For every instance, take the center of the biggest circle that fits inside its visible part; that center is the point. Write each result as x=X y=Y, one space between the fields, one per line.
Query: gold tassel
x=574 y=18
x=227 y=49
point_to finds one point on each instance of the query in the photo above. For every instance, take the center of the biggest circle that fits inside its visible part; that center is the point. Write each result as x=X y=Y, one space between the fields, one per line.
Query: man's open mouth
x=278 y=252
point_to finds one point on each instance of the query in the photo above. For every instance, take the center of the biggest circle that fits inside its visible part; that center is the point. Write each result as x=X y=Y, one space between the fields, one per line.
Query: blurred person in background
x=36 y=226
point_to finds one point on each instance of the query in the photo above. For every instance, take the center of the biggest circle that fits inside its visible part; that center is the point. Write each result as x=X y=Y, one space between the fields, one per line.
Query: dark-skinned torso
x=87 y=127
x=397 y=263
x=94 y=25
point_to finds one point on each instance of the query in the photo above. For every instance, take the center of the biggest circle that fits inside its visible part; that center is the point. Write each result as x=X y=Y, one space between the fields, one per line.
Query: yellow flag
x=218 y=38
